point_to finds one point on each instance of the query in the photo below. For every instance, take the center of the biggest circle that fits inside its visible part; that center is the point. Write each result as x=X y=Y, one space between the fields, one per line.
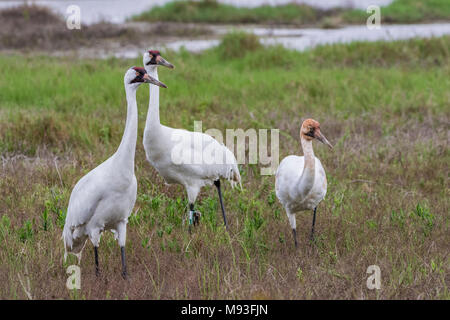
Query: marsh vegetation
x=384 y=106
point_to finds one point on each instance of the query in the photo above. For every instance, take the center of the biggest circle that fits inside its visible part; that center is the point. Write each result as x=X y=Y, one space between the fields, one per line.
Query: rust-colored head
x=311 y=130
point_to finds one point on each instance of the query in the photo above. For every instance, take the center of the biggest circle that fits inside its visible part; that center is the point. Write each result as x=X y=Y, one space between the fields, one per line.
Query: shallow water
x=297 y=39
x=302 y=39
x=118 y=11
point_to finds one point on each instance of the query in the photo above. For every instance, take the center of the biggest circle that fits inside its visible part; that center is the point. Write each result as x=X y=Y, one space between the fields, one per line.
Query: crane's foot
x=194 y=220
x=312 y=239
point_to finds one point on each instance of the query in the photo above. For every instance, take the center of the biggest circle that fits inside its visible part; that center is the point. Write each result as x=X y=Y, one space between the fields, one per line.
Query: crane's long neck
x=307 y=177
x=153 y=121
x=127 y=148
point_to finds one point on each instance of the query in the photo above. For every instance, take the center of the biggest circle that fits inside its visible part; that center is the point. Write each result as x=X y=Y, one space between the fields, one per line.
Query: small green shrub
x=398 y=218
x=26 y=231
x=236 y=44
x=426 y=217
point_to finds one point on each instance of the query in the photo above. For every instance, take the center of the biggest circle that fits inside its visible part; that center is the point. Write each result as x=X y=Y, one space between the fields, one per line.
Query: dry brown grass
x=262 y=264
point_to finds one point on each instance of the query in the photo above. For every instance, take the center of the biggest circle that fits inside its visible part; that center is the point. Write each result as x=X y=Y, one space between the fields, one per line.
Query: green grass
x=210 y=11
x=384 y=106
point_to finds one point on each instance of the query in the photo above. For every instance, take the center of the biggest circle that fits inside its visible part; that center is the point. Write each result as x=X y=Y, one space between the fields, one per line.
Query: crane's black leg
x=191 y=216
x=124 y=264
x=313 y=223
x=97 y=270
x=217 y=184
x=294 y=233
x=196 y=218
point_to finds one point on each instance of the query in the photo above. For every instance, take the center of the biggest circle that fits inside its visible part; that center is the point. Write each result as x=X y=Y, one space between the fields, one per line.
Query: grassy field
x=384 y=107
x=210 y=11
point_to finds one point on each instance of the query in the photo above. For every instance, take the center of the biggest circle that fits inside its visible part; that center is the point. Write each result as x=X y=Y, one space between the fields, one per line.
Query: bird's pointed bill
x=163 y=62
x=149 y=79
x=319 y=136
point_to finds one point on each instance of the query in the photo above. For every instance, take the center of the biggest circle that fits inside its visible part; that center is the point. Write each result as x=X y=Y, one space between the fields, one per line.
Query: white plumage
x=192 y=159
x=104 y=198
x=301 y=183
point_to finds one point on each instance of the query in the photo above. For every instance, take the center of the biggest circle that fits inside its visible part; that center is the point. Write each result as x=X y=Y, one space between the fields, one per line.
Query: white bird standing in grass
x=162 y=144
x=301 y=182
x=103 y=198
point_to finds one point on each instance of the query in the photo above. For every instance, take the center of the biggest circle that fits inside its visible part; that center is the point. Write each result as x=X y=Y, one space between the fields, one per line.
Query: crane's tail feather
x=72 y=243
x=67 y=238
x=234 y=177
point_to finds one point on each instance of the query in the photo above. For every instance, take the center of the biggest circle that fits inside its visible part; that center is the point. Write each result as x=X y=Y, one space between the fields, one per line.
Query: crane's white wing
x=287 y=184
x=197 y=156
x=84 y=199
x=287 y=176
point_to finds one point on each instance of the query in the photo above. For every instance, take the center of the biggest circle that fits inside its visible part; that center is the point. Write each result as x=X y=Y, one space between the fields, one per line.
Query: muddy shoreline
x=41 y=29
x=44 y=32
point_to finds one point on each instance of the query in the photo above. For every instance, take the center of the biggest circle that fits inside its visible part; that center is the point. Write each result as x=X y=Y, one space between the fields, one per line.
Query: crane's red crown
x=140 y=70
x=308 y=123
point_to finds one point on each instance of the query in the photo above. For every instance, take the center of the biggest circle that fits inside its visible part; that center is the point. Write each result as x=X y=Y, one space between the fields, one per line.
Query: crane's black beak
x=162 y=62
x=149 y=79
x=319 y=136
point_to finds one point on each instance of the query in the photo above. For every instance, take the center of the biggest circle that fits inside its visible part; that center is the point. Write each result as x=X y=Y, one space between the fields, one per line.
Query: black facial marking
x=154 y=54
x=310 y=133
x=140 y=77
x=137 y=79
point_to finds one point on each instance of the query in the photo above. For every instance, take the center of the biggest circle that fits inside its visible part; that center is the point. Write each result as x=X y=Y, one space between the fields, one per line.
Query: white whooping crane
x=103 y=198
x=161 y=143
x=300 y=182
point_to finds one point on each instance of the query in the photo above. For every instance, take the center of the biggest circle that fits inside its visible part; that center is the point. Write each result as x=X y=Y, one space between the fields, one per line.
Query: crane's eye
x=138 y=78
x=310 y=132
x=153 y=57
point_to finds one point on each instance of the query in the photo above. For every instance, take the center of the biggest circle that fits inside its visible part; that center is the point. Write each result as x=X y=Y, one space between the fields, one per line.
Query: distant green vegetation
x=406 y=11
x=238 y=44
x=211 y=11
x=384 y=107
